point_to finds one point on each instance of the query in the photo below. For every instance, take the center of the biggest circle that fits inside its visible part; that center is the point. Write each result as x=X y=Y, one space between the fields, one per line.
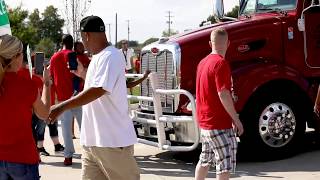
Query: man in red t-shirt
x=216 y=113
x=85 y=61
x=78 y=83
x=137 y=63
x=64 y=89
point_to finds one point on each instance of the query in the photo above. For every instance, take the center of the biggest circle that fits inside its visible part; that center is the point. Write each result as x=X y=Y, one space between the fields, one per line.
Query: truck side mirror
x=301 y=24
x=218 y=9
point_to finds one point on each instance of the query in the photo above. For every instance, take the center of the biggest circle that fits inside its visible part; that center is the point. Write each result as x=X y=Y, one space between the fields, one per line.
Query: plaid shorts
x=219 y=148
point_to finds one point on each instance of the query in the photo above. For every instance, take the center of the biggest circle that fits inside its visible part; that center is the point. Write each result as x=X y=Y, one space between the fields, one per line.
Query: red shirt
x=213 y=76
x=17 y=95
x=62 y=77
x=137 y=65
x=35 y=78
x=84 y=60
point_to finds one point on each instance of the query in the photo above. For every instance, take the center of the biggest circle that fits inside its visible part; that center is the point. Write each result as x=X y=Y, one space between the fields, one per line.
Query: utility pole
x=128 y=21
x=116 y=38
x=74 y=23
x=169 y=22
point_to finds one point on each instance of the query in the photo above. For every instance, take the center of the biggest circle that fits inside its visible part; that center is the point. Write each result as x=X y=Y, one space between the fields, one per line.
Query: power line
x=169 y=22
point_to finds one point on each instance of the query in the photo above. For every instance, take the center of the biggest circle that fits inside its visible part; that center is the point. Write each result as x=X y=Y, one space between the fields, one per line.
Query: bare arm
x=42 y=106
x=139 y=81
x=40 y=109
x=227 y=102
x=317 y=102
x=81 y=99
x=81 y=71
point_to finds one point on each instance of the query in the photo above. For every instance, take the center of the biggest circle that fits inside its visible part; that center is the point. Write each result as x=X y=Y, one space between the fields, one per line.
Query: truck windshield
x=260 y=6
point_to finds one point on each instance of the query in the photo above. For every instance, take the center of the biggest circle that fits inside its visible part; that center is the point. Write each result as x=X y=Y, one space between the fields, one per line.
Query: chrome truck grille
x=163 y=64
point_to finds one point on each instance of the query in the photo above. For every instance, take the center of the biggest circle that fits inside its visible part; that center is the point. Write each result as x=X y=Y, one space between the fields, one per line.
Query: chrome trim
x=305 y=38
x=277 y=125
x=175 y=49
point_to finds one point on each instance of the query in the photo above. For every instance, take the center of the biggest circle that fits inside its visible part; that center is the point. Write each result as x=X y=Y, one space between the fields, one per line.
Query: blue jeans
x=66 y=126
x=40 y=127
x=18 y=171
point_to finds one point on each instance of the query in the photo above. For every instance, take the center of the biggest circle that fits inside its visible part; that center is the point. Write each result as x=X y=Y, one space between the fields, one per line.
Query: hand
x=55 y=112
x=46 y=77
x=80 y=72
x=316 y=110
x=146 y=73
x=237 y=127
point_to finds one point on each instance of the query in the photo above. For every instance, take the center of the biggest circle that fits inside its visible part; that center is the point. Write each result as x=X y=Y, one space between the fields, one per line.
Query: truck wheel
x=275 y=123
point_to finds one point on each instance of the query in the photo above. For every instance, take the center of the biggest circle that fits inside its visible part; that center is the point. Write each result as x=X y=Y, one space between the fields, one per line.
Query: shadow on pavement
x=182 y=164
x=75 y=165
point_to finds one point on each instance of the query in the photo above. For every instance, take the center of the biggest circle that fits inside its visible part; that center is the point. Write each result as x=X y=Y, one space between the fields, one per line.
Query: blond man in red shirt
x=218 y=119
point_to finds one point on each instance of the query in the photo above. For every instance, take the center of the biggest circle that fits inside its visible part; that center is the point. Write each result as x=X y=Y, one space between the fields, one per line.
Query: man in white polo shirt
x=107 y=133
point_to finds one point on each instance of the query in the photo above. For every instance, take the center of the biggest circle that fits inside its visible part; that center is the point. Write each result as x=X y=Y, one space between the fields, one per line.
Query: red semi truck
x=275 y=59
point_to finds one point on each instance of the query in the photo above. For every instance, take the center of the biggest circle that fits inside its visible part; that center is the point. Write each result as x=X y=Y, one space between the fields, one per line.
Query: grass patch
x=135 y=92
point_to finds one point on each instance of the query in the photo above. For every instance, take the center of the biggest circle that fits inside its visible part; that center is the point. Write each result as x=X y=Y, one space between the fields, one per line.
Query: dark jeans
x=17 y=171
x=76 y=83
x=39 y=127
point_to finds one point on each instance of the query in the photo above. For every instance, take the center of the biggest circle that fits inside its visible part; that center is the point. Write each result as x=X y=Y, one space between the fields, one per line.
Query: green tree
x=47 y=46
x=51 y=25
x=211 y=19
x=20 y=27
x=35 y=22
x=34 y=18
x=167 y=34
x=131 y=44
x=233 y=13
x=149 y=41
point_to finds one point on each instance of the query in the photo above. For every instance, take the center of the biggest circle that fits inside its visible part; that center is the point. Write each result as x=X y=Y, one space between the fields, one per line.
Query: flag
x=29 y=60
x=4 y=19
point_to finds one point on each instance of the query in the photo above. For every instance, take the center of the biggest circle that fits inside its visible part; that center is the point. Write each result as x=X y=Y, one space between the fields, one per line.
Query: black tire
x=252 y=144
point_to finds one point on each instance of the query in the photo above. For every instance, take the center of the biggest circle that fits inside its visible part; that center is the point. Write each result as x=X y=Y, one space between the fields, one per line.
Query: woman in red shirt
x=19 y=97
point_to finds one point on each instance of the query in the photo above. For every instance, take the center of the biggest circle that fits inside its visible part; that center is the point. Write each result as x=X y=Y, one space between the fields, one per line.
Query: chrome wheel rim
x=277 y=125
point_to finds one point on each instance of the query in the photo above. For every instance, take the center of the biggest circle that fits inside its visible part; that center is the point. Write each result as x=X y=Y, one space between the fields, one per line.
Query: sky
x=147 y=17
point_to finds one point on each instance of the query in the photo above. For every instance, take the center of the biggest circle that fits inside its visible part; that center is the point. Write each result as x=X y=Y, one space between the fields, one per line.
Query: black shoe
x=58 y=147
x=43 y=152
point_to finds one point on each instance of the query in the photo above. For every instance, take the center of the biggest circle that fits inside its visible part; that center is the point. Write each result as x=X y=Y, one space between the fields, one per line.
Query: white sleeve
x=107 y=72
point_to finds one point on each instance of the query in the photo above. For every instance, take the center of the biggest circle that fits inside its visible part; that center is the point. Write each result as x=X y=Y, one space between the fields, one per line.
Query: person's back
x=63 y=86
x=217 y=117
x=16 y=139
x=211 y=77
x=19 y=97
x=111 y=110
x=62 y=77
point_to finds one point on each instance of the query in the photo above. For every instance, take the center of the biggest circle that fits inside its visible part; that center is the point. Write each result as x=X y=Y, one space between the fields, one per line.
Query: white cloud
x=147 y=17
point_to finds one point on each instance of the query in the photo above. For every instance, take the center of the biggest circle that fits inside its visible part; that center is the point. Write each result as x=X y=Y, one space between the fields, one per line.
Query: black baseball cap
x=92 y=24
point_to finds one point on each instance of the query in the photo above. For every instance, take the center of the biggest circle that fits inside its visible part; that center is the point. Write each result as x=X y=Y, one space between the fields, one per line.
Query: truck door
x=312 y=36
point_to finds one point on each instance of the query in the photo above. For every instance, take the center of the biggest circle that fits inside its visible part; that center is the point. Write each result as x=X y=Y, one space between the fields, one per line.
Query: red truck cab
x=275 y=59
